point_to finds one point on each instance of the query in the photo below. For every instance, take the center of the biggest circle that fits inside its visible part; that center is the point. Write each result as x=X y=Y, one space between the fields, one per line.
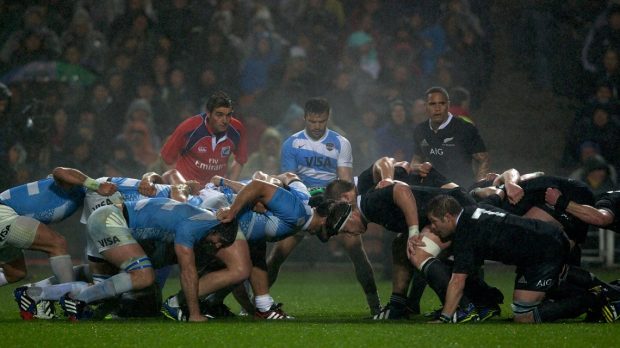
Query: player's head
x=344 y=218
x=223 y=235
x=341 y=190
x=5 y=98
x=316 y=115
x=437 y=105
x=220 y=109
x=443 y=212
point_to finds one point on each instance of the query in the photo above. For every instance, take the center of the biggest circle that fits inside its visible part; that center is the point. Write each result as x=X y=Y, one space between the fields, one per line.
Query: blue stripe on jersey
x=128 y=188
x=316 y=162
x=44 y=200
x=169 y=221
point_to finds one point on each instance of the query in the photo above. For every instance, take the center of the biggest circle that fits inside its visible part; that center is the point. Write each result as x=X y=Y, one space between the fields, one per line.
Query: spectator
x=267 y=158
x=597 y=174
x=395 y=138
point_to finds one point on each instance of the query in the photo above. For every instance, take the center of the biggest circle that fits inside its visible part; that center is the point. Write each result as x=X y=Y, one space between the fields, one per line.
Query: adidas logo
x=424 y=143
x=522 y=280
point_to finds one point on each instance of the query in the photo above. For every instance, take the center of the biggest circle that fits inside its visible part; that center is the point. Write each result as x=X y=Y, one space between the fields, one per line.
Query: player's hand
x=147 y=188
x=259 y=208
x=424 y=169
x=225 y=215
x=385 y=183
x=552 y=195
x=215 y=180
x=194 y=186
x=106 y=188
x=514 y=192
x=412 y=243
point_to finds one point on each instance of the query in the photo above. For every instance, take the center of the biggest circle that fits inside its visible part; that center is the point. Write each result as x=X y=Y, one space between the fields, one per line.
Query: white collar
x=443 y=125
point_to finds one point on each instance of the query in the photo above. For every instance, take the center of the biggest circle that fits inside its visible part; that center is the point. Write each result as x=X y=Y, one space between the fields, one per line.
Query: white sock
x=3 y=280
x=55 y=292
x=62 y=268
x=263 y=302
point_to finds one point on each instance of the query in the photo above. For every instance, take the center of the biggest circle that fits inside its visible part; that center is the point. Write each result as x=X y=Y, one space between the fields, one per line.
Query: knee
x=143 y=278
x=240 y=271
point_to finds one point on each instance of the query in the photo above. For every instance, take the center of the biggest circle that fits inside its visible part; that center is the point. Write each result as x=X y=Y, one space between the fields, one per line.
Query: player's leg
x=279 y=253
x=402 y=269
x=27 y=233
x=363 y=270
x=236 y=257
x=266 y=308
x=12 y=265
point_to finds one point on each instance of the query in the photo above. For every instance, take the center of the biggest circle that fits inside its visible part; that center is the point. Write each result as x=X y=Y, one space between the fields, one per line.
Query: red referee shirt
x=198 y=154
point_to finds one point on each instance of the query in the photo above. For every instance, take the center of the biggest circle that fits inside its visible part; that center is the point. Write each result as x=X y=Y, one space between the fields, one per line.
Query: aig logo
x=544 y=282
x=436 y=151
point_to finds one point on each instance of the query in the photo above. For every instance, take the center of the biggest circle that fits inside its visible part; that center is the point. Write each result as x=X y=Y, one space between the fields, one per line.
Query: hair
x=338 y=213
x=227 y=231
x=321 y=204
x=437 y=89
x=442 y=205
x=217 y=100
x=316 y=106
x=337 y=187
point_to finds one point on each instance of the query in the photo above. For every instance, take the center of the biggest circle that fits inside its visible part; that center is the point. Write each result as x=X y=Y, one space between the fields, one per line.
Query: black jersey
x=378 y=206
x=534 y=196
x=366 y=181
x=450 y=149
x=611 y=201
x=488 y=233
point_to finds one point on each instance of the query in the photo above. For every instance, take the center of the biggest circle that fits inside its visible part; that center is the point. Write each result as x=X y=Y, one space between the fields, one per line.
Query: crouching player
x=114 y=230
x=538 y=249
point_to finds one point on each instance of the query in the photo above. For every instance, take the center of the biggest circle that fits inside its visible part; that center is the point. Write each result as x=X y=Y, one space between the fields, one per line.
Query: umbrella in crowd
x=47 y=71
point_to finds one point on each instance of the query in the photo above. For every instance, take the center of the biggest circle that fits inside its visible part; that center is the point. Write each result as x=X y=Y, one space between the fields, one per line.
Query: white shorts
x=15 y=230
x=107 y=229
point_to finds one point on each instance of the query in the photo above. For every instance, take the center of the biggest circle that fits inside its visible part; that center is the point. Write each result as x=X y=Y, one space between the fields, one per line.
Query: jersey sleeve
x=287 y=157
x=474 y=142
x=241 y=150
x=417 y=140
x=171 y=150
x=345 y=158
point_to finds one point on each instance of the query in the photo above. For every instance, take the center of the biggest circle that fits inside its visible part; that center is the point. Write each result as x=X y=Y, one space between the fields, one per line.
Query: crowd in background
x=120 y=75
x=99 y=85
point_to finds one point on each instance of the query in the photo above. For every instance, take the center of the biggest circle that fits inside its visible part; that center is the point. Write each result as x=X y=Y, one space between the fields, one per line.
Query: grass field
x=330 y=311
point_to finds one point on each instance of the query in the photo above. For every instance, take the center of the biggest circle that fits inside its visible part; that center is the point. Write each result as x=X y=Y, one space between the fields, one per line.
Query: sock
x=110 y=287
x=263 y=302
x=374 y=303
x=161 y=275
x=586 y=280
x=3 y=280
x=80 y=273
x=418 y=284
x=398 y=300
x=438 y=276
x=62 y=268
x=55 y=292
x=98 y=278
x=566 y=308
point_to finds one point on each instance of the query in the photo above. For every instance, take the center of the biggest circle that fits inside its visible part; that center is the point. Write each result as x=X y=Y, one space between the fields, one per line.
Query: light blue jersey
x=316 y=161
x=288 y=212
x=44 y=200
x=169 y=221
x=126 y=191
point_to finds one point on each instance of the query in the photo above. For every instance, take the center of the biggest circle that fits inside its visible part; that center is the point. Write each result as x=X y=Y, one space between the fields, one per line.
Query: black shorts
x=541 y=277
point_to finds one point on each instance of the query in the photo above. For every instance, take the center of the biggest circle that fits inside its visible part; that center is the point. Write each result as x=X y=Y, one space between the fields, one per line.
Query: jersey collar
x=443 y=125
x=318 y=140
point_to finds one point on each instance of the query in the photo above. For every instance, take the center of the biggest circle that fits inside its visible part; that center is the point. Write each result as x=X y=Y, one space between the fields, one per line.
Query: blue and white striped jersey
x=316 y=161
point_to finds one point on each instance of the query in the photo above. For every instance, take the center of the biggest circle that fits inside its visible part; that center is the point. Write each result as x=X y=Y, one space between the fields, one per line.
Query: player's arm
x=285 y=179
x=453 y=295
x=147 y=184
x=189 y=280
x=236 y=186
x=584 y=212
x=383 y=169
x=68 y=177
x=255 y=191
x=405 y=201
x=511 y=178
x=345 y=161
x=481 y=164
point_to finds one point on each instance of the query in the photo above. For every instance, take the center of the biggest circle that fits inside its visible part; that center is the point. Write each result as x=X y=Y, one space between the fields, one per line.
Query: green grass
x=330 y=310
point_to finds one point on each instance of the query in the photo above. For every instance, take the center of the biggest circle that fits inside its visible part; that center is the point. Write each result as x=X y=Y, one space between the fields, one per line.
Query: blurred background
x=99 y=85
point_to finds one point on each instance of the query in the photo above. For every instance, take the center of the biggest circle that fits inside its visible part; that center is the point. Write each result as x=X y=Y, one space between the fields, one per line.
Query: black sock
x=438 y=276
x=418 y=284
x=580 y=277
x=566 y=308
x=398 y=300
